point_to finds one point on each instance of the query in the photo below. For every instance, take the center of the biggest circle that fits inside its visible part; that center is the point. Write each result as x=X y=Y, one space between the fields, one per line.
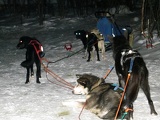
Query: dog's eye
x=79 y=33
x=20 y=41
x=82 y=83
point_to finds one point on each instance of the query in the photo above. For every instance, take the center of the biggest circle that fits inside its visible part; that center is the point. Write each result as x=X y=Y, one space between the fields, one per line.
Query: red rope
x=59 y=79
x=82 y=110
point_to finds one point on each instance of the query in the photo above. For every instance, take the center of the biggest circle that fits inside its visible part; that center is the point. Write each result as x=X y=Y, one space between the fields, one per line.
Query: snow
x=20 y=101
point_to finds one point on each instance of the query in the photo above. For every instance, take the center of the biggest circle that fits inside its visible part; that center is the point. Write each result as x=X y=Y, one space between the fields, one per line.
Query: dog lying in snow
x=125 y=58
x=90 y=39
x=101 y=98
x=33 y=54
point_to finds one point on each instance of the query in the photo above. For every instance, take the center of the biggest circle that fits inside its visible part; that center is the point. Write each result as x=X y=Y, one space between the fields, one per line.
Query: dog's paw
x=38 y=82
x=74 y=103
x=88 y=60
x=26 y=82
x=32 y=74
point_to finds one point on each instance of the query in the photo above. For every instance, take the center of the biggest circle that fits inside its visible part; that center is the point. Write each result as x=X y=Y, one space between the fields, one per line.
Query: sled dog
x=130 y=61
x=101 y=98
x=33 y=54
x=92 y=41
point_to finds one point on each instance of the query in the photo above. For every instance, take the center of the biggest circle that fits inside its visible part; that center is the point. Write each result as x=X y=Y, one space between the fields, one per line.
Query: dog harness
x=127 y=54
x=38 y=47
x=116 y=87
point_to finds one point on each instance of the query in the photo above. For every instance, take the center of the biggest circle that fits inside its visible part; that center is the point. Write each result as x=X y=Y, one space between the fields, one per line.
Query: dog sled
x=107 y=26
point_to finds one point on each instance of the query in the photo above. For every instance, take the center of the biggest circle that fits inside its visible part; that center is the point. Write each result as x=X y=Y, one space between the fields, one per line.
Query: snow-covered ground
x=20 y=101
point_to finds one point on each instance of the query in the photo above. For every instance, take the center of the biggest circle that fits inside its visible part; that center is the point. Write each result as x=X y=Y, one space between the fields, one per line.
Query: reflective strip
x=42 y=48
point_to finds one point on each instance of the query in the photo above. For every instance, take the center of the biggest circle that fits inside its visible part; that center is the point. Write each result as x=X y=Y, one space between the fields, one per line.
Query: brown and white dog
x=101 y=44
x=102 y=98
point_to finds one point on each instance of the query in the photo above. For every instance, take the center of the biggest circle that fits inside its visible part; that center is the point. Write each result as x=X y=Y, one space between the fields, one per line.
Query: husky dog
x=101 y=98
x=130 y=61
x=33 y=54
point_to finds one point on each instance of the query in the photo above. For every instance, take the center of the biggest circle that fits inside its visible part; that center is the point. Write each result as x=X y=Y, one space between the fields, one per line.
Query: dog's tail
x=27 y=63
x=30 y=58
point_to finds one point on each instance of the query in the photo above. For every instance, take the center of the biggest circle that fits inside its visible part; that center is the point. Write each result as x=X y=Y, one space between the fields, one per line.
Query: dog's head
x=97 y=33
x=26 y=41
x=119 y=43
x=80 y=34
x=86 y=83
x=23 y=42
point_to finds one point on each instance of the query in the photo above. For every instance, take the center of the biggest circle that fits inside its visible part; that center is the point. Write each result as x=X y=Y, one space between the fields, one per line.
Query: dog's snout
x=17 y=46
x=20 y=45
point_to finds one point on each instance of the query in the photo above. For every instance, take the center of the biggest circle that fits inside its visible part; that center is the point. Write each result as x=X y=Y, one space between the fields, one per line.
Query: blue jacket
x=106 y=27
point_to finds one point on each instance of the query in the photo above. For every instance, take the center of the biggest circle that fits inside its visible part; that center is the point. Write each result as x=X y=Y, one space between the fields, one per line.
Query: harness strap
x=92 y=40
x=131 y=64
x=128 y=54
x=126 y=112
x=116 y=87
x=100 y=39
x=38 y=48
x=125 y=87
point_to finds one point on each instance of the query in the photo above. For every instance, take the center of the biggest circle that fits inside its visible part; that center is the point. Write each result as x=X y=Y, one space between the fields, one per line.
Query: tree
x=150 y=16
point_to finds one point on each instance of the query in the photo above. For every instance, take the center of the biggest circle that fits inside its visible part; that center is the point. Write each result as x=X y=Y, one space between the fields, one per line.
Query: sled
x=107 y=26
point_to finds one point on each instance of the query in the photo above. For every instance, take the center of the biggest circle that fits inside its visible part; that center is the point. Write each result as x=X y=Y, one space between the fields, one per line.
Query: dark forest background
x=23 y=9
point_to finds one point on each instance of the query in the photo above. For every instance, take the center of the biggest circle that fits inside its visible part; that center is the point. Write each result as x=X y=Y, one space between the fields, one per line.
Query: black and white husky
x=102 y=98
x=130 y=61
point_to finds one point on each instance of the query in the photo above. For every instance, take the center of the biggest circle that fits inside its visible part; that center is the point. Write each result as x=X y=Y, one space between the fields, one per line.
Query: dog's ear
x=78 y=75
x=82 y=81
x=110 y=37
